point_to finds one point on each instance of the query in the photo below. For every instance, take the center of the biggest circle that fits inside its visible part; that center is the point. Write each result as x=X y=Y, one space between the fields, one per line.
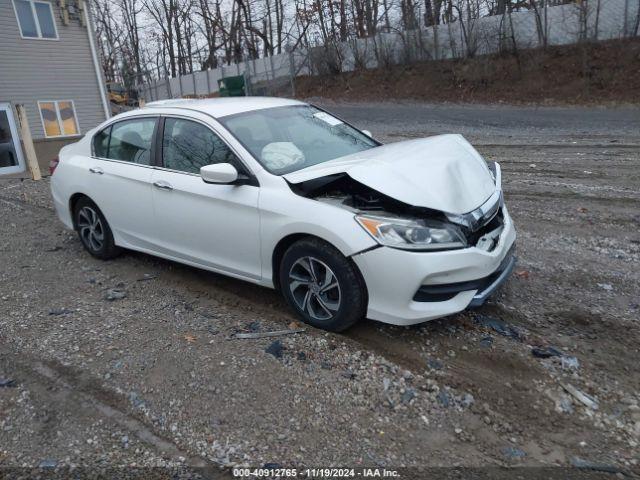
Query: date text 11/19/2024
x=314 y=473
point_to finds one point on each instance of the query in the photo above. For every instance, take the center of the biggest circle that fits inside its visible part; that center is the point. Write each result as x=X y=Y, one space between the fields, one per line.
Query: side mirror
x=219 y=173
x=367 y=133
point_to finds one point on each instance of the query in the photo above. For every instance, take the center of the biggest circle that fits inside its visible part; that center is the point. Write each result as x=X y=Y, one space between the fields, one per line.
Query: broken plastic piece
x=582 y=397
x=275 y=333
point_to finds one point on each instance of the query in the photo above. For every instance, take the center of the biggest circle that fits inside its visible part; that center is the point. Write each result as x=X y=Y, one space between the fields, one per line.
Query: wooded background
x=196 y=42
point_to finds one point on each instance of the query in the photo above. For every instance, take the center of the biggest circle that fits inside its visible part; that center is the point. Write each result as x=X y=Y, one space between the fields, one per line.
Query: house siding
x=34 y=70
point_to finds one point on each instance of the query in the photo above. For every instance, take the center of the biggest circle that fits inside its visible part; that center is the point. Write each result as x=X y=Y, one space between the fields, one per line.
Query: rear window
x=101 y=143
x=128 y=140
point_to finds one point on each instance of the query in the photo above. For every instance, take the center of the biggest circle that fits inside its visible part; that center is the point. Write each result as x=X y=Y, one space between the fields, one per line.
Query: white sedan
x=283 y=194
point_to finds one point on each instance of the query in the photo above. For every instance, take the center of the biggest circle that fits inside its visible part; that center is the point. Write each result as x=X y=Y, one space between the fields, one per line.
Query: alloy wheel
x=314 y=288
x=90 y=228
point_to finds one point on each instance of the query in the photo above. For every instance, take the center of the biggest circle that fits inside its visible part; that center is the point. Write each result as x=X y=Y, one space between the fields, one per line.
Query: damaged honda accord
x=286 y=195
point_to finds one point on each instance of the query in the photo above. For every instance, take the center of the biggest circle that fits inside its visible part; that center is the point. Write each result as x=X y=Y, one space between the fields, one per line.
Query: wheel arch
x=73 y=201
x=288 y=240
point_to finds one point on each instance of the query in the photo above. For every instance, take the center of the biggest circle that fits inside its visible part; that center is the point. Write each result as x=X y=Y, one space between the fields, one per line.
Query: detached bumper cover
x=484 y=286
x=500 y=277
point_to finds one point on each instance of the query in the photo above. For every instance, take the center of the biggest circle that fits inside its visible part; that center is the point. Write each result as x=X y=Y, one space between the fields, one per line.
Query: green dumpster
x=232 y=86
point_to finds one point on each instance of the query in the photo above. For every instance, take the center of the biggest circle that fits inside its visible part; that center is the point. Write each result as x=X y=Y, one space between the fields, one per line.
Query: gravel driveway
x=134 y=363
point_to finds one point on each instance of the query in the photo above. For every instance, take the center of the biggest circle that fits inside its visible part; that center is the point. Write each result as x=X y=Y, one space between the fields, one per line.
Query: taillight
x=53 y=164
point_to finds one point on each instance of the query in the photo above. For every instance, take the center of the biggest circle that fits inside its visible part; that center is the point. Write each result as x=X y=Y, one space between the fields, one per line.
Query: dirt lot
x=156 y=379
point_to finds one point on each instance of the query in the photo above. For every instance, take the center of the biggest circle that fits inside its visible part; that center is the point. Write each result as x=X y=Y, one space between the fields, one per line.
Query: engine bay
x=342 y=191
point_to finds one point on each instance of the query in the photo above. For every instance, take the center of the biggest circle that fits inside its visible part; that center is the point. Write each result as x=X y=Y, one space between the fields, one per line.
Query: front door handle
x=163 y=185
x=97 y=170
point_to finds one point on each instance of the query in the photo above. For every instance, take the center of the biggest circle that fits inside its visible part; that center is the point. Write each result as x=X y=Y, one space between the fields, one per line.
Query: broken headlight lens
x=412 y=234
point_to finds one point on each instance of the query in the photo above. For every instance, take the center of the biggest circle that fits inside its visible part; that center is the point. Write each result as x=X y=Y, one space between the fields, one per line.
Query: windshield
x=287 y=139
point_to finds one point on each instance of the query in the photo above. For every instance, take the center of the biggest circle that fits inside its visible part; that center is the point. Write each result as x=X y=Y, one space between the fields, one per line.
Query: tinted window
x=101 y=143
x=131 y=141
x=187 y=146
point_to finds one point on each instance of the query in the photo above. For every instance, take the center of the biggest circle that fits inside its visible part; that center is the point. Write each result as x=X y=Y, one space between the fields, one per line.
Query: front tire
x=322 y=286
x=94 y=231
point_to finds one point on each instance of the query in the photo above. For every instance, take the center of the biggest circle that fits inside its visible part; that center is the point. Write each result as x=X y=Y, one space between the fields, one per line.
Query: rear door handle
x=163 y=185
x=97 y=170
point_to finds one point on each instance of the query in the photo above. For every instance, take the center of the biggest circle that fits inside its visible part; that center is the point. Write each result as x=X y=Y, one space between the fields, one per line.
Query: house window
x=35 y=19
x=59 y=118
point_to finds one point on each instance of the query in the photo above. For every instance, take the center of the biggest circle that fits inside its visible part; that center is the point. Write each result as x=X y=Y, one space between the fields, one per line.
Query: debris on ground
x=498 y=326
x=115 y=294
x=59 y=311
x=546 y=352
x=275 y=349
x=570 y=363
x=522 y=274
x=561 y=400
x=467 y=400
x=578 y=462
x=606 y=286
x=567 y=362
x=513 y=453
x=582 y=397
x=7 y=382
x=146 y=277
x=254 y=326
x=48 y=463
x=275 y=333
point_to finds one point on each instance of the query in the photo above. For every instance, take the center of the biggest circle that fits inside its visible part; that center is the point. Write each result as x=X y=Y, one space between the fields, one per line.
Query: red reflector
x=53 y=164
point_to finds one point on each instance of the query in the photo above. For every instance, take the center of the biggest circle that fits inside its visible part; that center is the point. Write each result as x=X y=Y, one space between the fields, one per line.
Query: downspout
x=96 y=63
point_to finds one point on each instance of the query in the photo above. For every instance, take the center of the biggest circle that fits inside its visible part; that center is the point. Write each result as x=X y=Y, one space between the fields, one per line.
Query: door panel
x=120 y=180
x=123 y=192
x=213 y=225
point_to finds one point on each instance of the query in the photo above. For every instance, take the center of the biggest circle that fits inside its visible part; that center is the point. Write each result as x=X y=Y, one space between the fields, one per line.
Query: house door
x=11 y=159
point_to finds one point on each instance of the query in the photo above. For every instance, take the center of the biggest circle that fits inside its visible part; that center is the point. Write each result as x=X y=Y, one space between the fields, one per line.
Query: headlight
x=412 y=234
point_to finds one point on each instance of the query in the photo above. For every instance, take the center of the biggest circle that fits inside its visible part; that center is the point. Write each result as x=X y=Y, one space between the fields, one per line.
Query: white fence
x=559 y=25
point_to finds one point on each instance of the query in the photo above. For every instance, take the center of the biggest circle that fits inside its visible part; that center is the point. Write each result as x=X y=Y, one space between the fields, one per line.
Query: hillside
x=590 y=73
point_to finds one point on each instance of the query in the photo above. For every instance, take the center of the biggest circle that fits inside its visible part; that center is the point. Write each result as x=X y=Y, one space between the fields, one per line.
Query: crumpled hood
x=441 y=173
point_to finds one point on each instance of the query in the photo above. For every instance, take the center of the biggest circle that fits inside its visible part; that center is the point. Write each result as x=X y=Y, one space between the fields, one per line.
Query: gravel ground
x=156 y=378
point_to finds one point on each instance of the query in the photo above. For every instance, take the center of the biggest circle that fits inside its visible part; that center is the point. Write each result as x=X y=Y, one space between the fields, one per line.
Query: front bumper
x=395 y=278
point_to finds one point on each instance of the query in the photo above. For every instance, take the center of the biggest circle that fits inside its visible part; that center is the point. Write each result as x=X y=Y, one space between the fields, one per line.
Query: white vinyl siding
x=36 y=19
x=42 y=70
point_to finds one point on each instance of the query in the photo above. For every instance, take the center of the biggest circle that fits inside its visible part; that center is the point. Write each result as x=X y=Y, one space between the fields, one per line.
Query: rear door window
x=128 y=140
x=131 y=140
x=101 y=143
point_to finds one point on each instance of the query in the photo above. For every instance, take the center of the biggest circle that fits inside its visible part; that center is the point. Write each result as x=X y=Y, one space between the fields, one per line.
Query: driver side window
x=187 y=146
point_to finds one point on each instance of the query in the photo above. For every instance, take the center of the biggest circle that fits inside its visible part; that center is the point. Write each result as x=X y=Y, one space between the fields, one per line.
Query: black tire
x=333 y=309
x=94 y=231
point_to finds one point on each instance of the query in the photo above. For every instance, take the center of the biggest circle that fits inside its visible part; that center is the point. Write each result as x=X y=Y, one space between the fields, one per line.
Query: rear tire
x=94 y=231
x=324 y=288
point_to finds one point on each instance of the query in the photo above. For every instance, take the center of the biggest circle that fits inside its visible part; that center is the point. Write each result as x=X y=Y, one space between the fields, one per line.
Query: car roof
x=221 y=107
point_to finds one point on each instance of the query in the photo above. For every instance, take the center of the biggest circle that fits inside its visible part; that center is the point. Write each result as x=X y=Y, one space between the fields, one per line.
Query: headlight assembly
x=412 y=234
